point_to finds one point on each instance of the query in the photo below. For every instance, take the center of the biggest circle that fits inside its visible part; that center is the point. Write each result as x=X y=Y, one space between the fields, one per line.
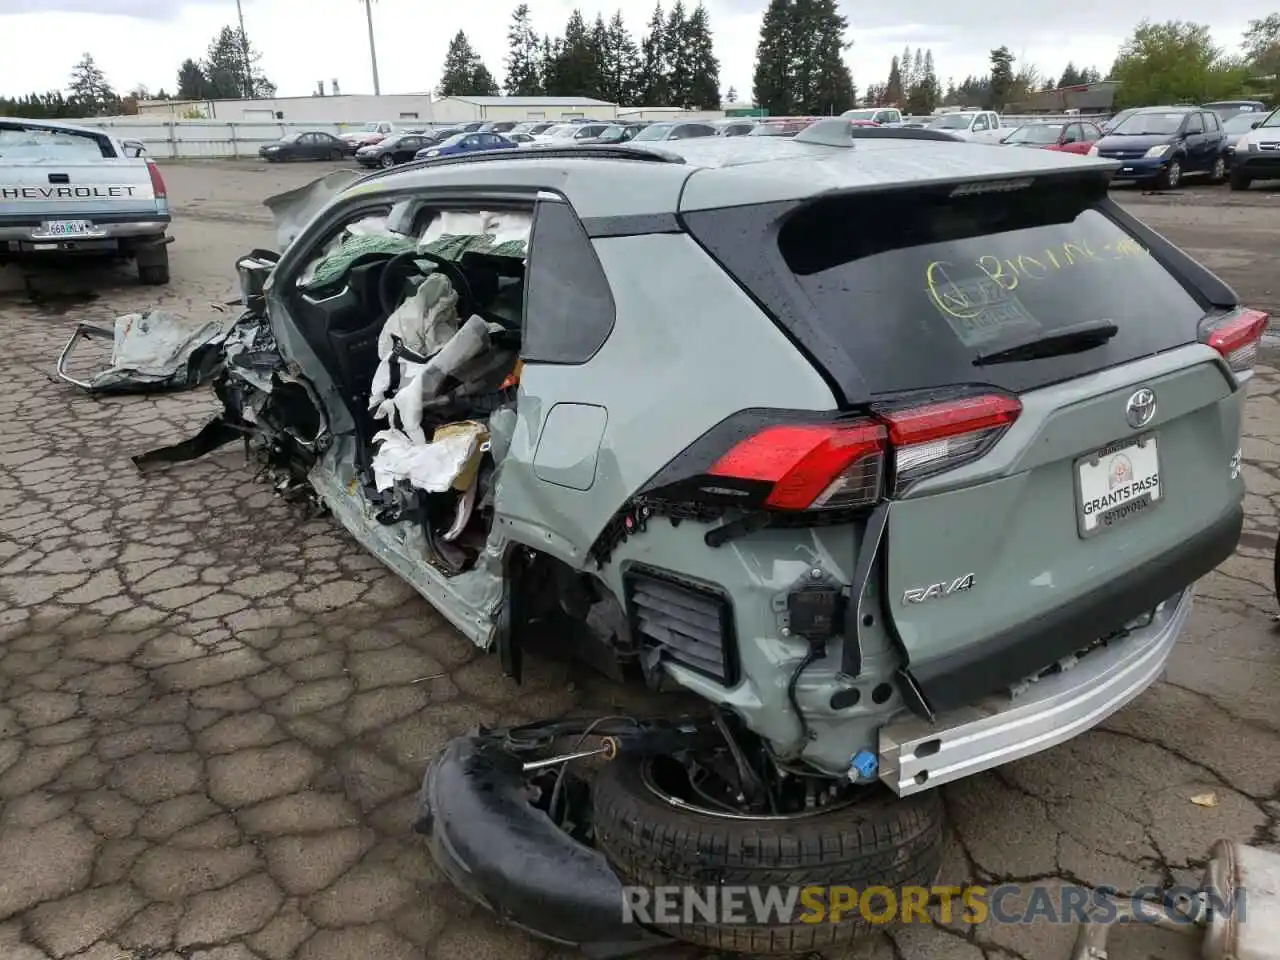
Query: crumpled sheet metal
x=155 y=350
x=293 y=209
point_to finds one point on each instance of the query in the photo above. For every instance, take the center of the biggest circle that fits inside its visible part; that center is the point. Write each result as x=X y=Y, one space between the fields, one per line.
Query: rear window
x=17 y=143
x=913 y=287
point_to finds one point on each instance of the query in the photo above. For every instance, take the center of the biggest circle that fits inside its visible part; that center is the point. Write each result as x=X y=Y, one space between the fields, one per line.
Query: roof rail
x=580 y=151
x=839 y=132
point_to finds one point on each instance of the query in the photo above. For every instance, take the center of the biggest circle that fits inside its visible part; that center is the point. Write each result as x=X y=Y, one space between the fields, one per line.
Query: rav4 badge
x=938 y=591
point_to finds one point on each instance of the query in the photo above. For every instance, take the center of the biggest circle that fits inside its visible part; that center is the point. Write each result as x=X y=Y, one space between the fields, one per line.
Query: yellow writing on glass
x=967 y=300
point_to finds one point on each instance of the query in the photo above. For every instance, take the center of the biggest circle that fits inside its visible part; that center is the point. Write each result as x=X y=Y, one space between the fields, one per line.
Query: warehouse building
x=1086 y=98
x=362 y=108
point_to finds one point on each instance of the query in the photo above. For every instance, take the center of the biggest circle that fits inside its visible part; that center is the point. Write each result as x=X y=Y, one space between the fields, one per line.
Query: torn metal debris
x=153 y=350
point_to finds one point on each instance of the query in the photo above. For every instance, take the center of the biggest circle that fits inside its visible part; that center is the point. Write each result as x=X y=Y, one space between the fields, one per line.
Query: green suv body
x=902 y=453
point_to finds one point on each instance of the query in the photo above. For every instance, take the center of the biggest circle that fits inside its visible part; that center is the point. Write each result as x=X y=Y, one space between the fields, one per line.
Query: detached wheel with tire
x=153 y=265
x=654 y=837
x=1238 y=180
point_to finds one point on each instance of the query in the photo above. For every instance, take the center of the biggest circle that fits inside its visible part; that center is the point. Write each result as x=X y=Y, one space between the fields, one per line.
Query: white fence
x=220 y=139
x=208 y=139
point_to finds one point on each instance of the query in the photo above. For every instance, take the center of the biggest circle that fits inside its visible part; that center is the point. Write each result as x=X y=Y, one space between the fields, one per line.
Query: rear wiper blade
x=1073 y=339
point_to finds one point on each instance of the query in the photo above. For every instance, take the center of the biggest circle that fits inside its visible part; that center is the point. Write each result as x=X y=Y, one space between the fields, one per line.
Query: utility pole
x=244 y=53
x=373 y=51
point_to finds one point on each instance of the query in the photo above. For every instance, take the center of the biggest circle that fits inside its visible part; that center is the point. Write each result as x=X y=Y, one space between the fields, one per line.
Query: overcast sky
x=302 y=41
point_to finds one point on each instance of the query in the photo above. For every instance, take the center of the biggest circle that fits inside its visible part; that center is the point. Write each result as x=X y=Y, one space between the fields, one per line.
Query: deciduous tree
x=1172 y=62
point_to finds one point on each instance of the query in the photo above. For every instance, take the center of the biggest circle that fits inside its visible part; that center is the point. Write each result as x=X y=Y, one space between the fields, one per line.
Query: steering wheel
x=402 y=266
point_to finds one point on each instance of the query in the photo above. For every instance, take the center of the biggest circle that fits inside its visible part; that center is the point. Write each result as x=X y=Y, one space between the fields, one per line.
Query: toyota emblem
x=1141 y=408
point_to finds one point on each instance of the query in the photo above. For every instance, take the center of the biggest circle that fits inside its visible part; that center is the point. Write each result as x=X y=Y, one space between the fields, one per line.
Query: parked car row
x=1160 y=146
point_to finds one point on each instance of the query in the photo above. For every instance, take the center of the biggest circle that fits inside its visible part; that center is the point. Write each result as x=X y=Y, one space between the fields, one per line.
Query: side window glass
x=1211 y=122
x=568 y=307
x=980 y=122
x=1194 y=124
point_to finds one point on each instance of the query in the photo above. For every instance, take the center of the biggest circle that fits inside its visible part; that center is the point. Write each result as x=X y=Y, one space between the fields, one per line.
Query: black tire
x=1171 y=176
x=153 y=267
x=1275 y=573
x=1218 y=172
x=880 y=841
x=387 y=161
x=335 y=155
x=1238 y=181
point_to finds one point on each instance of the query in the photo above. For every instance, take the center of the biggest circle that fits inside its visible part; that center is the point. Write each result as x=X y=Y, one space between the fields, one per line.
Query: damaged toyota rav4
x=901 y=455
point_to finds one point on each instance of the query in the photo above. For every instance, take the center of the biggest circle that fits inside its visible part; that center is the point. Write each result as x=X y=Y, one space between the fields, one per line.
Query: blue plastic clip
x=863 y=765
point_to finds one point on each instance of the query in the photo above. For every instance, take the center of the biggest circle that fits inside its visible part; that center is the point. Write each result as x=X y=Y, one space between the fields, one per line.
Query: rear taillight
x=157 y=181
x=837 y=465
x=810 y=466
x=1236 y=337
x=941 y=436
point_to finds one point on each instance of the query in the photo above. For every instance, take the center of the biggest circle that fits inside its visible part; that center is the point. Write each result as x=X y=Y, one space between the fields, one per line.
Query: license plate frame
x=1103 y=463
x=65 y=230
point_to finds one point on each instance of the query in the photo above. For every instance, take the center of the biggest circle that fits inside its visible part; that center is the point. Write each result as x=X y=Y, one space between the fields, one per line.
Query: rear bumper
x=917 y=755
x=508 y=856
x=1001 y=661
x=104 y=236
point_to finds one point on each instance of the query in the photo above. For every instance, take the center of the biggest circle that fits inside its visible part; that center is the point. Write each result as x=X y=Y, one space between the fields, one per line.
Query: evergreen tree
x=773 y=73
x=907 y=68
x=1001 y=84
x=800 y=66
x=620 y=64
x=89 y=89
x=464 y=73
x=654 y=87
x=704 y=68
x=192 y=83
x=549 y=65
x=523 y=77
x=923 y=95
x=931 y=81
x=675 y=41
x=231 y=68
x=1070 y=76
x=731 y=95
x=831 y=91
x=577 y=67
x=894 y=94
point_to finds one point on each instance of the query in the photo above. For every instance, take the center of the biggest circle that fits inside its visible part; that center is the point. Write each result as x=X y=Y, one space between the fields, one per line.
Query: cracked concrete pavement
x=214 y=714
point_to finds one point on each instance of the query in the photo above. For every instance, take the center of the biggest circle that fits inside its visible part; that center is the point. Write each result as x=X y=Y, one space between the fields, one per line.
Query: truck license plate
x=66 y=228
x=1117 y=483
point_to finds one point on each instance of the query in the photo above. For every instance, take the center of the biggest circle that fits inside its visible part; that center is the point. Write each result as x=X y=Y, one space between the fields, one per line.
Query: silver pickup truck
x=76 y=191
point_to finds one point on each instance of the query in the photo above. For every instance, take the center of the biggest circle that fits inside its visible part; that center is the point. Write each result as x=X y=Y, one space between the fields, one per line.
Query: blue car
x=467 y=143
x=1158 y=146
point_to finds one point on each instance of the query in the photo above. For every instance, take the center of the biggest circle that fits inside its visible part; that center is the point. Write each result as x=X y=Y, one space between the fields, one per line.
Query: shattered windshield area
x=38 y=143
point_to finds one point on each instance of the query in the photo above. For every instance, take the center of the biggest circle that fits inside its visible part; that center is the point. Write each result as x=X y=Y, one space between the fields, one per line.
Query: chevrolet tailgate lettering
x=91 y=192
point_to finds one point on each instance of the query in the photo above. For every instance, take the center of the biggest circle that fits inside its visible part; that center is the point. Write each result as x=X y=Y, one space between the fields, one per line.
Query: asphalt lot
x=213 y=713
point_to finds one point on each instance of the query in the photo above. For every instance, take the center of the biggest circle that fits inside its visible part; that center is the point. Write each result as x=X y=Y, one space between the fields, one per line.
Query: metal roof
x=727 y=172
x=533 y=101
